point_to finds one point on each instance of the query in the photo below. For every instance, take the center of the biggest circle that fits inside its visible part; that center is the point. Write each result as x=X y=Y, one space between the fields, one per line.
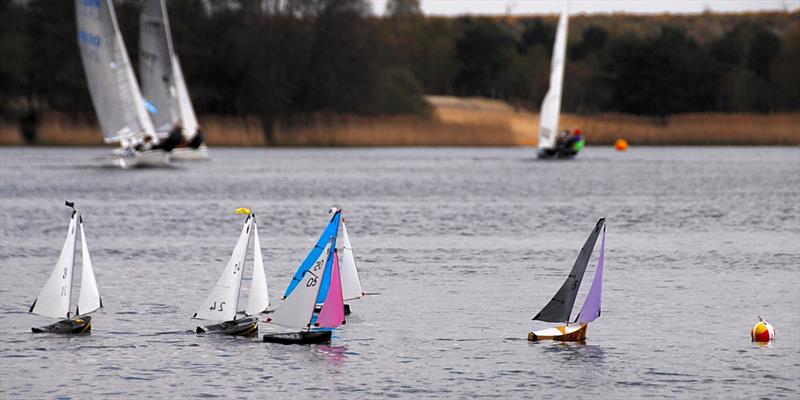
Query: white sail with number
x=220 y=305
x=297 y=309
x=115 y=93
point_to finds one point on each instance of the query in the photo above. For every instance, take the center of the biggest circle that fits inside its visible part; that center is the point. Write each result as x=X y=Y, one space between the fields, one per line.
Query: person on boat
x=198 y=139
x=173 y=139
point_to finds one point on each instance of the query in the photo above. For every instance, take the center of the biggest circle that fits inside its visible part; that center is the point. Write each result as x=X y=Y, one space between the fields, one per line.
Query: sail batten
x=551 y=104
x=559 y=308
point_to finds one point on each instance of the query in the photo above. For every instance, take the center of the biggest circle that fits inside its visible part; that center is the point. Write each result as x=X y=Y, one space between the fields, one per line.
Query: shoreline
x=455 y=122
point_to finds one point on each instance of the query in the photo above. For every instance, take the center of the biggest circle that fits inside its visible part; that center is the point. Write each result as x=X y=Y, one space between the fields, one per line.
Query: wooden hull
x=247 y=326
x=313 y=337
x=68 y=326
x=564 y=333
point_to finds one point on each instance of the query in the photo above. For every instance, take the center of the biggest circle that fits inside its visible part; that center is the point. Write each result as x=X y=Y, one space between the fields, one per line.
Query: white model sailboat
x=54 y=299
x=550 y=145
x=297 y=310
x=163 y=84
x=115 y=93
x=351 y=284
x=560 y=306
x=222 y=302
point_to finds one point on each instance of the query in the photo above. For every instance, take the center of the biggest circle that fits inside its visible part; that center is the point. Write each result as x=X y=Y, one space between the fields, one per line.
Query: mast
x=560 y=306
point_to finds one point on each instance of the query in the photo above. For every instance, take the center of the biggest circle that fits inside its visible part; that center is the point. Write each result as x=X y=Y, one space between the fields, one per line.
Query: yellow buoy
x=621 y=145
x=762 y=332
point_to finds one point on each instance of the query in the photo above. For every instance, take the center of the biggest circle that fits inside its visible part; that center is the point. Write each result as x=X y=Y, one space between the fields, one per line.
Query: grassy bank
x=455 y=122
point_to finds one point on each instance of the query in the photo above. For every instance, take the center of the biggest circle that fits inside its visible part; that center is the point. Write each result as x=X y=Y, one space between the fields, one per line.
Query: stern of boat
x=563 y=333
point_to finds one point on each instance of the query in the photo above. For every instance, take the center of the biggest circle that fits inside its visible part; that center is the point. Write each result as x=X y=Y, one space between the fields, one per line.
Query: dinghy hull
x=556 y=153
x=190 y=153
x=564 y=333
x=145 y=159
x=247 y=326
x=313 y=337
x=67 y=326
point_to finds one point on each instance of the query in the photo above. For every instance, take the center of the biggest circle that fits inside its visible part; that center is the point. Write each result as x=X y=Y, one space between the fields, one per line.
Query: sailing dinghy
x=551 y=145
x=54 y=299
x=351 y=283
x=163 y=84
x=221 y=304
x=115 y=93
x=560 y=306
x=297 y=310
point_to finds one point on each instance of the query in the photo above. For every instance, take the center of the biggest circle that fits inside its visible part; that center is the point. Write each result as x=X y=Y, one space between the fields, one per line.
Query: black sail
x=560 y=306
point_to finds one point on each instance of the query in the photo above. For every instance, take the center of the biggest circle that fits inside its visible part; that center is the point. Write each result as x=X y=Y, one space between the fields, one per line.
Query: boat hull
x=144 y=159
x=75 y=325
x=564 y=333
x=556 y=153
x=190 y=153
x=312 y=337
x=247 y=326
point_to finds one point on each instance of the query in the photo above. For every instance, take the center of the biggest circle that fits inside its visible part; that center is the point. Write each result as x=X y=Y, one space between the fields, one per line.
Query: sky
x=499 y=7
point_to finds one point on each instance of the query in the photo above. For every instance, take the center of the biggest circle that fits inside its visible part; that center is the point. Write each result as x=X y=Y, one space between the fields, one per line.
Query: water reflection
x=591 y=354
x=336 y=355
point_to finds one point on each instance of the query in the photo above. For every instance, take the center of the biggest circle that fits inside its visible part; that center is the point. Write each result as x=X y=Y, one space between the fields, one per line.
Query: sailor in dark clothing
x=198 y=139
x=173 y=139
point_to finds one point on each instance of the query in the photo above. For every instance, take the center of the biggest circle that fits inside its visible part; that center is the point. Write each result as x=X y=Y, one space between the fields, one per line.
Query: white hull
x=145 y=159
x=188 y=153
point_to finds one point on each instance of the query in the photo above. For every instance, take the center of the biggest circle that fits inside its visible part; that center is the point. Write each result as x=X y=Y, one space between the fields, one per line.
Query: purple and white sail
x=591 y=307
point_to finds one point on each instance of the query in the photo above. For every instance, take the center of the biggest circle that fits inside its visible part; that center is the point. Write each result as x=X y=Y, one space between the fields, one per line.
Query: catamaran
x=351 y=284
x=115 y=93
x=54 y=299
x=551 y=143
x=163 y=84
x=297 y=310
x=222 y=302
x=559 y=309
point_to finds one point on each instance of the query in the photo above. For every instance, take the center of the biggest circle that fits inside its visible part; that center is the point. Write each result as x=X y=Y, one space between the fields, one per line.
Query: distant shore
x=454 y=122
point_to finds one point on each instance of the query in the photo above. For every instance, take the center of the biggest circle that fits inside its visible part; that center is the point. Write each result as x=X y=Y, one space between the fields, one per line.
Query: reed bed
x=454 y=122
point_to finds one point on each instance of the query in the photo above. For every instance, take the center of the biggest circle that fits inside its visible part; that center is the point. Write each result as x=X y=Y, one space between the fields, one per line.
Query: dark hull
x=247 y=326
x=68 y=326
x=557 y=153
x=313 y=337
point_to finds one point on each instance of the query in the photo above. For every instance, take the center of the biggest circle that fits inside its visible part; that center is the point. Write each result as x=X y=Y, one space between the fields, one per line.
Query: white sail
x=115 y=93
x=89 y=298
x=53 y=300
x=221 y=303
x=185 y=108
x=155 y=64
x=258 y=297
x=297 y=309
x=351 y=284
x=551 y=105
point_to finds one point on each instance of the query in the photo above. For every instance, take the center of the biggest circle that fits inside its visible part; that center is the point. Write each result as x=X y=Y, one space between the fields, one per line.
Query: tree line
x=284 y=60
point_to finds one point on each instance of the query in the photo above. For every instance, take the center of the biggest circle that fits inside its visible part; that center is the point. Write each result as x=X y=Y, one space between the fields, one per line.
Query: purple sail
x=591 y=307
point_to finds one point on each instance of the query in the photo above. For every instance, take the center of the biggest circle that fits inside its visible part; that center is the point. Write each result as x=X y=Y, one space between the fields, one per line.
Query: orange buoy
x=762 y=332
x=621 y=145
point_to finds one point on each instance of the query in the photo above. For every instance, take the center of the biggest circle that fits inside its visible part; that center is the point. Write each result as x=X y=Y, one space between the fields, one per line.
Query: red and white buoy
x=762 y=332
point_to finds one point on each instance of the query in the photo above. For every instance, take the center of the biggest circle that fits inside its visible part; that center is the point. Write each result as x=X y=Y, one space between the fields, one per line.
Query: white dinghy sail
x=351 y=284
x=258 y=295
x=115 y=93
x=297 y=309
x=53 y=301
x=551 y=105
x=89 y=298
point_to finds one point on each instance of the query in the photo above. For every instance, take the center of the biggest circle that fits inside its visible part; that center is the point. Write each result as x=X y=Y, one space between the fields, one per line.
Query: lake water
x=459 y=248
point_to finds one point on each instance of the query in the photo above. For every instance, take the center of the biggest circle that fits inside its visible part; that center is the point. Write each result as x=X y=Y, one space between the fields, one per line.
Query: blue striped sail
x=331 y=231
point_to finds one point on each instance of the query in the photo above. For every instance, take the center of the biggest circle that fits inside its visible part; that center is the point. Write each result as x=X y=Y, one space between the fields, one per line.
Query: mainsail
x=351 y=284
x=115 y=93
x=162 y=78
x=53 y=300
x=89 y=297
x=551 y=105
x=329 y=235
x=560 y=306
x=591 y=307
x=155 y=64
x=258 y=297
x=297 y=309
x=332 y=313
x=221 y=303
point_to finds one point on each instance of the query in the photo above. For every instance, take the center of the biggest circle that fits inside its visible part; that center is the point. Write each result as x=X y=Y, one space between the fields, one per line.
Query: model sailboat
x=297 y=310
x=163 y=84
x=560 y=306
x=54 y=299
x=351 y=284
x=115 y=93
x=221 y=304
x=551 y=143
